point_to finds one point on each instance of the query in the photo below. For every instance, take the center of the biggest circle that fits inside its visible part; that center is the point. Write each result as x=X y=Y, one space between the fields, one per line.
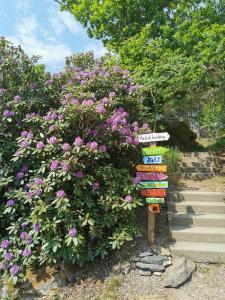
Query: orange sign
x=151 y=168
x=153 y=193
x=155 y=208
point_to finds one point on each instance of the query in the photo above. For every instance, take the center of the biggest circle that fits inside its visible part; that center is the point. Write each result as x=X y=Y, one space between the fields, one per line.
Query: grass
x=217 y=144
x=110 y=289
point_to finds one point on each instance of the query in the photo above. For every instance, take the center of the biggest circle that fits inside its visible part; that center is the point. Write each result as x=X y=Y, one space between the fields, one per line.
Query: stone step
x=197 y=176
x=200 y=219
x=201 y=155
x=205 y=196
x=196 y=170
x=200 y=252
x=196 y=207
x=198 y=165
x=198 y=234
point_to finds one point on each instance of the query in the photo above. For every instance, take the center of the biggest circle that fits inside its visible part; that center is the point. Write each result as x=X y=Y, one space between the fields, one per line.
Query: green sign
x=154 y=200
x=153 y=185
x=154 y=151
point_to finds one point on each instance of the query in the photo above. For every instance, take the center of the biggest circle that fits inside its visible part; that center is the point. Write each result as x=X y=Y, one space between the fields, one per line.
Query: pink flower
x=78 y=141
x=24 y=144
x=40 y=145
x=60 y=194
x=72 y=232
x=93 y=145
x=145 y=126
x=112 y=94
x=128 y=198
x=102 y=148
x=79 y=174
x=65 y=166
x=54 y=165
x=100 y=109
x=96 y=186
x=66 y=147
x=74 y=101
x=105 y=100
x=53 y=140
x=38 y=181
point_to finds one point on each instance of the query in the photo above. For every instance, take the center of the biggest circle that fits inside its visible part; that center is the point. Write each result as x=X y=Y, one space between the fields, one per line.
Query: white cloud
x=28 y=36
x=61 y=21
x=22 y=6
x=99 y=49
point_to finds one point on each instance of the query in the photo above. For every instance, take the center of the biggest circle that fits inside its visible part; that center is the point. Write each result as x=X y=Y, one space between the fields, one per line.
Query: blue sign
x=152 y=160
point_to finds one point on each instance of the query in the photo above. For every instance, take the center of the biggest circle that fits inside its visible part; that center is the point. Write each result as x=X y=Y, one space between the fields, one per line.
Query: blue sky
x=42 y=29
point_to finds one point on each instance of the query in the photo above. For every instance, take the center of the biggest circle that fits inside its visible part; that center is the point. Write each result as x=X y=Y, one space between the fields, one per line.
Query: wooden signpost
x=153 y=193
x=152 y=176
x=152 y=159
x=153 y=185
x=151 y=168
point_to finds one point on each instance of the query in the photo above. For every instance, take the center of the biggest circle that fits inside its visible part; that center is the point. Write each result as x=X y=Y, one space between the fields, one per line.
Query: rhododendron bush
x=73 y=196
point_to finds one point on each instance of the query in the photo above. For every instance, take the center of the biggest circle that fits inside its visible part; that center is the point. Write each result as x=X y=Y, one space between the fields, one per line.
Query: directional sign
x=154 y=151
x=155 y=200
x=151 y=176
x=153 y=185
x=152 y=159
x=151 y=168
x=153 y=137
x=153 y=193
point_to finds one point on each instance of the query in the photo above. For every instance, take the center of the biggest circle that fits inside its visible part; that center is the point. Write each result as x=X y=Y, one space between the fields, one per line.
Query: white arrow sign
x=153 y=137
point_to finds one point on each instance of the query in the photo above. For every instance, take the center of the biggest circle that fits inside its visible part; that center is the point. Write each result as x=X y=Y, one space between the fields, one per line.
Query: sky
x=42 y=29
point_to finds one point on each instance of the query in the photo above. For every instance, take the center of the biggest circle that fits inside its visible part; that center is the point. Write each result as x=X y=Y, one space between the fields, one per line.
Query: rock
x=148 y=253
x=145 y=273
x=179 y=273
x=167 y=263
x=154 y=259
x=150 y=267
x=157 y=273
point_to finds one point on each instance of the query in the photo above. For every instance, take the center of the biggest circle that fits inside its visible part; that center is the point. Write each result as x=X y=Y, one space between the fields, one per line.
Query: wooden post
x=151 y=219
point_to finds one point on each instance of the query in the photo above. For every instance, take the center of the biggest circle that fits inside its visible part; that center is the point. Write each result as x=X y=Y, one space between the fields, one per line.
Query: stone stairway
x=196 y=165
x=197 y=225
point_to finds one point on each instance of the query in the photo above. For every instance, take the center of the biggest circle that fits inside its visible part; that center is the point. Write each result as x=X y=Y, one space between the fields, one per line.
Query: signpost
x=152 y=159
x=153 y=185
x=153 y=137
x=153 y=193
x=151 y=168
x=151 y=176
x=154 y=151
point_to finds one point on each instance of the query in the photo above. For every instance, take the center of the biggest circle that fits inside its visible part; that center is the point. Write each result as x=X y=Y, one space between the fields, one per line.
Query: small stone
x=154 y=259
x=157 y=273
x=150 y=267
x=179 y=273
x=165 y=251
x=145 y=273
x=167 y=263
x=148 y=253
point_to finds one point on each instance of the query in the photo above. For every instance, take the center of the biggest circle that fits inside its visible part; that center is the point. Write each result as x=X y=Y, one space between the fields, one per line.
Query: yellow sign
x=151 y=168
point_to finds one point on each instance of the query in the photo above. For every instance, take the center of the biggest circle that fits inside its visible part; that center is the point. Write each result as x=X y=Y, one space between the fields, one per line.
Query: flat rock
x=165 y=251
x=167 y=263
x=147 y=253
x=179 y=273
x=154 y=259
x=145 y=273
x=157 y=273
x=150 y=267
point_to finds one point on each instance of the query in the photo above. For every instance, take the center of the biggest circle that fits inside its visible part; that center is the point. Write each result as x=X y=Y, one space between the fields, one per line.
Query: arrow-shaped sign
x=151 y=176
x=154 y=151
x=153 y=137
x=153 y=185
x=153 y=193
x=152 y=159
x=151 y=168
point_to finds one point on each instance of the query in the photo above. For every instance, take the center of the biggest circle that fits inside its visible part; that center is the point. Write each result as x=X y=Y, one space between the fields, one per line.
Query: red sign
x=153 y=193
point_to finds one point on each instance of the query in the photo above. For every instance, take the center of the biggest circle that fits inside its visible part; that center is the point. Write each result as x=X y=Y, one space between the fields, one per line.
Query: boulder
x=179 y=273
x=147 y=253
